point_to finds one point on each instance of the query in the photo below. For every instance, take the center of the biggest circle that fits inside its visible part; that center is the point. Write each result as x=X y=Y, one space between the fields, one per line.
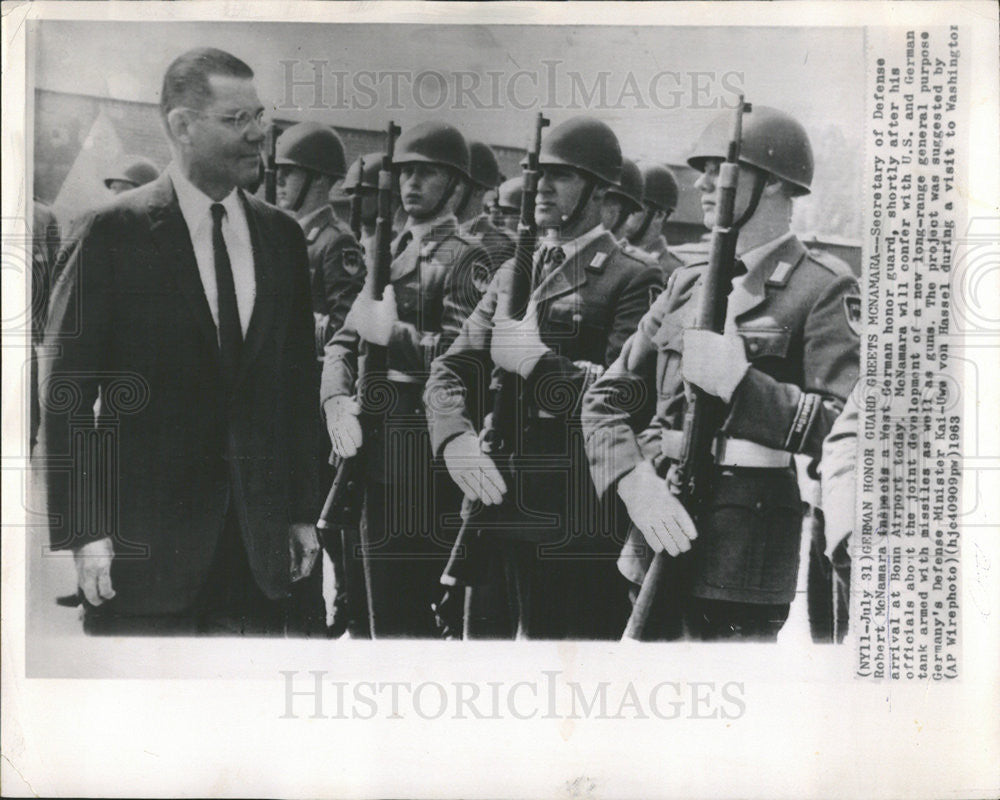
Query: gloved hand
x=374 y=319
x=655 y=511
x=714 y=362
x=93 y=570
x=342 y=424
x=473 y=471
x=303 y=549
x=516 y=345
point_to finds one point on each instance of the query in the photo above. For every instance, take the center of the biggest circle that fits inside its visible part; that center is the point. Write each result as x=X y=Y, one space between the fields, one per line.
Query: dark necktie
x=549 y=260
x=230 y=331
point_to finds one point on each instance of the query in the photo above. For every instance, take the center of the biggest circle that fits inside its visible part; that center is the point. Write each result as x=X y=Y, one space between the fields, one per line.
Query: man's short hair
x=186 y=80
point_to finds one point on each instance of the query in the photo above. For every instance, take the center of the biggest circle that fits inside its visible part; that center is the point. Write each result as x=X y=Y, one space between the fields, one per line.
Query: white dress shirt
x=196 y=207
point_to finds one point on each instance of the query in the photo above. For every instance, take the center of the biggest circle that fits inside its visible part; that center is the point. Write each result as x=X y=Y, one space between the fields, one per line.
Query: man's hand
x=303 y=545
x=516 y=345
x=93 y=570
x=374 y=319
x=655 y=511
x=714 y=362
x=342 y=424
x=473 y=471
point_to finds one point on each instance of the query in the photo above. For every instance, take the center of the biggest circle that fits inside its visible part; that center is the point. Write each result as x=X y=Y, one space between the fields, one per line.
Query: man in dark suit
x=189 y=502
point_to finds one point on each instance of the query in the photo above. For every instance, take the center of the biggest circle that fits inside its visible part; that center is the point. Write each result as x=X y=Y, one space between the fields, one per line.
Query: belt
x=396 y=376
x=730 y=452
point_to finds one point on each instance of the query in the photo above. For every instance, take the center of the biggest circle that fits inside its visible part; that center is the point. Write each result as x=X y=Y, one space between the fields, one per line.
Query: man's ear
x=773 y=185
x=178 y=124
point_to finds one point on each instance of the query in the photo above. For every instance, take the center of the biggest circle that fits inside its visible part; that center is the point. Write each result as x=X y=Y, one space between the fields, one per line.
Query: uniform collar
x=573 y=246
x=195 y=204
x=420 y=230
x=755 y=256
x=314 y=216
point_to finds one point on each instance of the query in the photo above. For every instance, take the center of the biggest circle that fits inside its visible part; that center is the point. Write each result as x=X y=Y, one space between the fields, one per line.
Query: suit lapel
x=170 y=234
x=264 y=263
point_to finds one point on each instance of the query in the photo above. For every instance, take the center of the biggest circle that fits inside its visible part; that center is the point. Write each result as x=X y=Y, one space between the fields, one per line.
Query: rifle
x=342 y=508
x=270 y=168
x=500 y=435
x=357 y=198
x=704 y=413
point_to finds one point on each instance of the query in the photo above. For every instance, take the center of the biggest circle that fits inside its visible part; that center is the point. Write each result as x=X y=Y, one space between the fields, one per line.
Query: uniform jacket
x=797 y=316
x=660 y=255
x=336 y=271
x=587 y=308
x=498 y=243
x=129 y=321
x=839 y=474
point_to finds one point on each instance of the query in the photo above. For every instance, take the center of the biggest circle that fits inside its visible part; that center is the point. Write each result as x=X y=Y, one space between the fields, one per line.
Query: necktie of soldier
x=230 y=331
x=554 y=258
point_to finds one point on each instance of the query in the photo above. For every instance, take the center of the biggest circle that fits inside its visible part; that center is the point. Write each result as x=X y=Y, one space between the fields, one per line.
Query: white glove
x=655 y=511
x=473 y=471
x=714 y=362
x=374 y=319
x=516 y=345
x=93 y=570
x=342 y=423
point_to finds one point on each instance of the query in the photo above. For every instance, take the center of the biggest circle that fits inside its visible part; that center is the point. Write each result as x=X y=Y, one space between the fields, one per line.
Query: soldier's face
x=220 y=152
x=559 y=190
x=634 y=222
x=708 y=185
x=423 y=187
x=290 y=181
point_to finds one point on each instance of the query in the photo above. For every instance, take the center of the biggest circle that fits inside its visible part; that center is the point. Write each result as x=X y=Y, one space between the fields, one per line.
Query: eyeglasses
x=239 y=121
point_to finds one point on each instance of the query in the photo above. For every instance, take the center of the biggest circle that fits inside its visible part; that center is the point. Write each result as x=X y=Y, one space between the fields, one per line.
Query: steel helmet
x=772 y=141
x=509 y=193
x=367 y=179
x=133 y=169
x=312 y=146
x=433 y=143
x=659 y=187
x=630 y=185
x=586 y=144
x=484 y=169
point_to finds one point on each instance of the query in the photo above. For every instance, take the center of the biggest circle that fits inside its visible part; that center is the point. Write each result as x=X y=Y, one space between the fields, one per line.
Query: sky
x=656 y=86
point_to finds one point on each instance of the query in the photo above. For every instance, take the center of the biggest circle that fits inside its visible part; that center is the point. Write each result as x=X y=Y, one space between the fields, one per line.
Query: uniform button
x=759 y=505
x=754 y=347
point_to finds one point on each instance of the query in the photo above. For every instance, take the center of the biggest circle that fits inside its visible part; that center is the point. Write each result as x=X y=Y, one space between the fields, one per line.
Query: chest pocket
x=419 y=305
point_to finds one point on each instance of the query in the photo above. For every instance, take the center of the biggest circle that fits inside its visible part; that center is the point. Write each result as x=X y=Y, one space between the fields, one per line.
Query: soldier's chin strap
x=449 y=190
x=573 y=217
x=467 y=192
x=647 y=220
x=759 y=181
x=300 y=196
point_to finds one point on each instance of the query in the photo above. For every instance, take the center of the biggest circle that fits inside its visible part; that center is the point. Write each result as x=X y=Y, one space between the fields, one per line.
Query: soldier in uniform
x=622 y=200
x=407 y=502
x=644 y=228
x=786 y=363
x=473 y=221
x=129 y=173
x=550 y=547
x=310 y=159
x=508 y=206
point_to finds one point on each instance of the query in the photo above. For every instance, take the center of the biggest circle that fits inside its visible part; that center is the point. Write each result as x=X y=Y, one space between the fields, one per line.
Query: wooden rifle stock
x=704 y=413
x=498 y=438
x=345 y=498
x=357 y=199
x=270 y=168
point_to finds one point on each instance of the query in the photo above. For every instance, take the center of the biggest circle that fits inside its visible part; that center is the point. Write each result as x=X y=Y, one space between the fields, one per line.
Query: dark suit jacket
x=170 y=453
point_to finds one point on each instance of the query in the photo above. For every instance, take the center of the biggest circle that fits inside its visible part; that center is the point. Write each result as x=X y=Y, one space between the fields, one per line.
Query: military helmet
x=509 y=193
x=484 y=169
x=659 y=187
x=586 y=144
x=312 y=146
x=367 y=179
x=772 y=141
x=630 y=185
x=433 y=143
x=133 y=169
